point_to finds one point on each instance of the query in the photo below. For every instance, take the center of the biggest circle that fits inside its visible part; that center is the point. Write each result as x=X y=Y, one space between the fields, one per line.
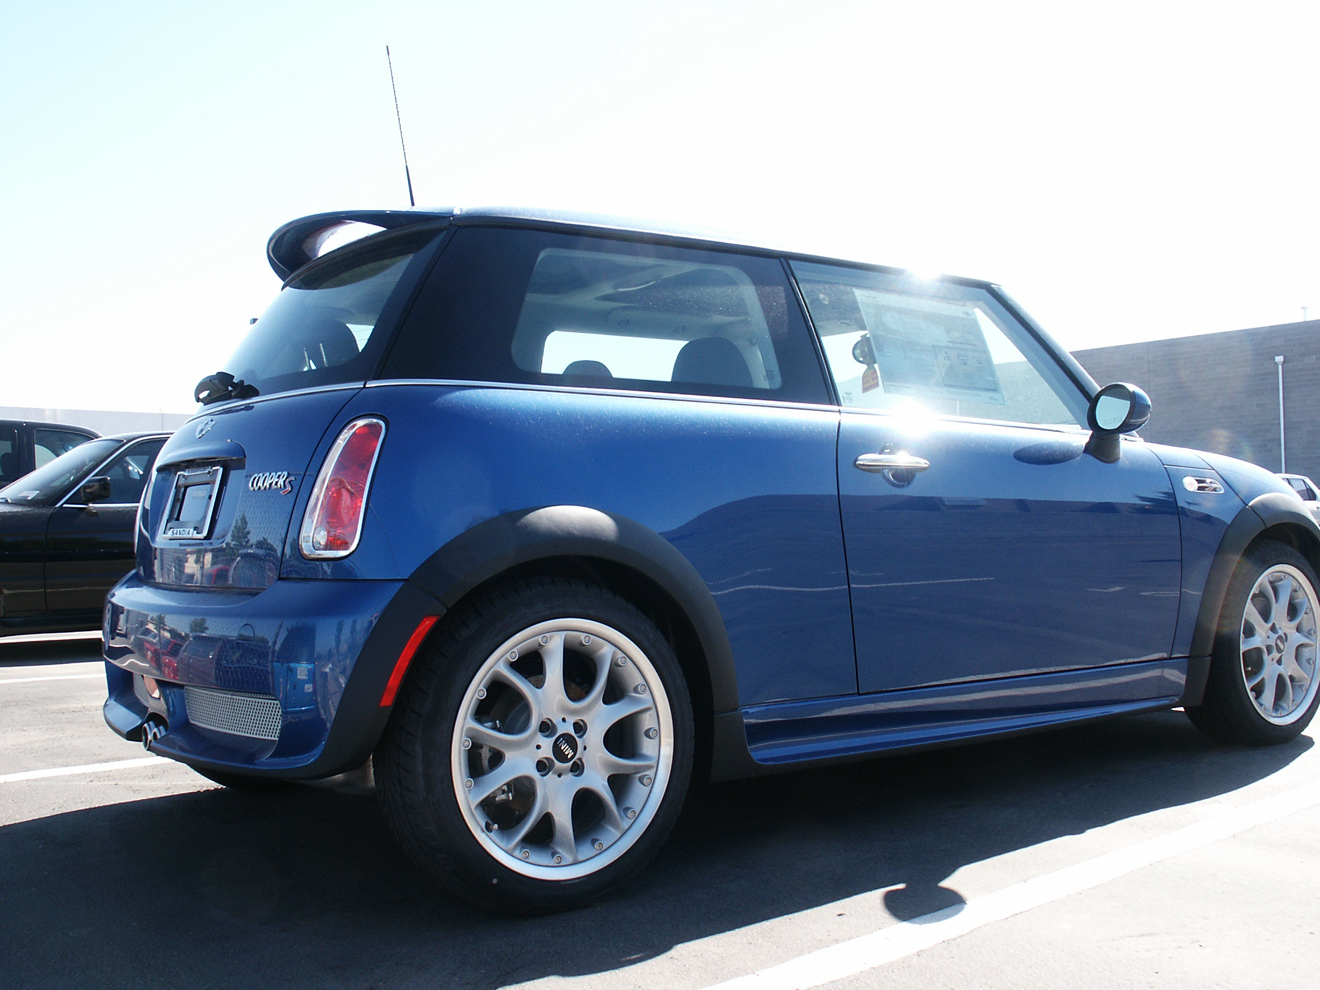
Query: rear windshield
x=46 y=484
x=325 y=326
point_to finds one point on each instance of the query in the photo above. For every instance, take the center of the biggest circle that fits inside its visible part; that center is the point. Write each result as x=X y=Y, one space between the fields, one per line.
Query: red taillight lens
x=332 y=524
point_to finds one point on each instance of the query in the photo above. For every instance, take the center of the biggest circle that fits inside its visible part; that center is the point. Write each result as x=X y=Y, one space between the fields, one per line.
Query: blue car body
x=819 y=611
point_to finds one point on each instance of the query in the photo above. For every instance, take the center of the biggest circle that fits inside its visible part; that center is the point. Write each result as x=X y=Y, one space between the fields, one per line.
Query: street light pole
x=1283 y=449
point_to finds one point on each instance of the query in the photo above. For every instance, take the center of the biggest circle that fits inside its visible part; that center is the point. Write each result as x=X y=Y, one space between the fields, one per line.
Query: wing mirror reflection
x=1114 y=410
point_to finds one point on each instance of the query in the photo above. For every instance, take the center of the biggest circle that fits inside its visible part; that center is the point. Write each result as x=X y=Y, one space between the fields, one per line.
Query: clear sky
x=1127 y=171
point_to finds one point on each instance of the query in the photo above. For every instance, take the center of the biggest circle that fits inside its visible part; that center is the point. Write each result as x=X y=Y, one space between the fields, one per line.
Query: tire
x=541 y=748
x=1263 y=682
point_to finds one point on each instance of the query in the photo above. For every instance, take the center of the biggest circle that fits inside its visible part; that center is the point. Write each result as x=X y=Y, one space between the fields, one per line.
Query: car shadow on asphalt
x=48 y=651
x=304 y=888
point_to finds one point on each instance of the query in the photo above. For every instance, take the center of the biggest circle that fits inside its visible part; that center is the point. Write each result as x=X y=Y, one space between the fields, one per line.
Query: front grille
x=238 y=714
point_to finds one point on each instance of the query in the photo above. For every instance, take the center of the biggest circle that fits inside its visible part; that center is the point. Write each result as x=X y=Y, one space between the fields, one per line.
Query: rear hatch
x=221 y=502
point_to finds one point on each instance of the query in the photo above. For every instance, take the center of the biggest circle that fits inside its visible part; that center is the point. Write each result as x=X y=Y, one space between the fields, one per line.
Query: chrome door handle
x=898 y=461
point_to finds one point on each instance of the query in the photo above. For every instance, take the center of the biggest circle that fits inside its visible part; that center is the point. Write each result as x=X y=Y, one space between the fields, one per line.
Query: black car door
x=90 y=547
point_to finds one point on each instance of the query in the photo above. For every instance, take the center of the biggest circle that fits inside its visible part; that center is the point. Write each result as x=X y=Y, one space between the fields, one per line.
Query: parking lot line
x=145 y=761
x=51 y=677
x=837 y=962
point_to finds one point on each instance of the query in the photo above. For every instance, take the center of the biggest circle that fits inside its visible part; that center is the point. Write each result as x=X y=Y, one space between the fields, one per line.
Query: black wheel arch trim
x=524 y=537
x=1265 y=512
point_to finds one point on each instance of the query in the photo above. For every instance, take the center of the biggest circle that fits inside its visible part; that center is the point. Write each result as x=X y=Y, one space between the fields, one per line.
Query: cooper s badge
x=268 y=480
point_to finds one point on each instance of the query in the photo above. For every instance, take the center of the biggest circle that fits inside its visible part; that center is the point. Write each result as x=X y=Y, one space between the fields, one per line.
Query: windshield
x=322 y=327
x=47 y=483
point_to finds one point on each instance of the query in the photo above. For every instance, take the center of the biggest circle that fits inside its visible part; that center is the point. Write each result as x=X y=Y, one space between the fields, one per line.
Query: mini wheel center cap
x=1279 y=645
x=565 y=747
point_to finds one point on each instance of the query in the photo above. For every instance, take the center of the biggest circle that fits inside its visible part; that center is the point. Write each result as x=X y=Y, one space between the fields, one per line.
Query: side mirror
x=1114 y=410
x=1118 y=408
x=95 y=490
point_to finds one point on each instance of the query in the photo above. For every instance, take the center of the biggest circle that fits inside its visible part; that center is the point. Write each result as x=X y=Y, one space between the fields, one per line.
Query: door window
x=129 y=472
x=903 y=344
x=51 y=443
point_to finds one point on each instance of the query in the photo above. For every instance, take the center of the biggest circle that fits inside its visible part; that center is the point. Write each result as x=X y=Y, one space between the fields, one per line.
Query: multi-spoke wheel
x=1263 y=677
x=542 y=749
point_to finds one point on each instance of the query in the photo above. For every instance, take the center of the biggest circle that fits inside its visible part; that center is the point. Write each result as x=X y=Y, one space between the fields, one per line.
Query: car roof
x=299 y=241
x=46 y=424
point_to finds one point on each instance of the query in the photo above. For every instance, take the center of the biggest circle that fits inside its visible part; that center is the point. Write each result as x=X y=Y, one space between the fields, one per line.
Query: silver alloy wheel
x=1279 y=644
x=562 y=749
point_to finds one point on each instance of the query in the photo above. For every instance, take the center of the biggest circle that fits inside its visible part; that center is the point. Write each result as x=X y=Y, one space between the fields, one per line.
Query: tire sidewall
x=1239 y=710
x=436 y=708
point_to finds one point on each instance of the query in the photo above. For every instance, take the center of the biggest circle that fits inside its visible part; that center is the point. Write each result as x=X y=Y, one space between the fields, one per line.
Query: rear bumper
x=285 y=682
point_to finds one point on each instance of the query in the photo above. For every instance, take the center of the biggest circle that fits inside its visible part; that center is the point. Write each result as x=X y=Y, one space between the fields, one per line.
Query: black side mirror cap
x=1116 y=409
x=95 y=490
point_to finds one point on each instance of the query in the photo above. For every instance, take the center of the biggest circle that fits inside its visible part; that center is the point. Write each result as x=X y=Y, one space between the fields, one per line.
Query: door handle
x=897 y=461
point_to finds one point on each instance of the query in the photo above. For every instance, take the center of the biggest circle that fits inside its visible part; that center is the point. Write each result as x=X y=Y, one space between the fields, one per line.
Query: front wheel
x=1263 y=678
x=542 y=748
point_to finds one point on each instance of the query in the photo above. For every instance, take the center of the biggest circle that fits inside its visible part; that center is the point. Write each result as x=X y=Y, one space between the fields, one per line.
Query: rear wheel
x=541 y=750
x=1263 y=675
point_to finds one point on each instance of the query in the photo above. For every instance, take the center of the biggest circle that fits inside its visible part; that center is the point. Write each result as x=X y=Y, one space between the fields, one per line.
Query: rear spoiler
x=299 y=241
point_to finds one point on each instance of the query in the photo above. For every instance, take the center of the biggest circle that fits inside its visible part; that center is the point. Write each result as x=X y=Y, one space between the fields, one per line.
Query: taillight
x=332 y=524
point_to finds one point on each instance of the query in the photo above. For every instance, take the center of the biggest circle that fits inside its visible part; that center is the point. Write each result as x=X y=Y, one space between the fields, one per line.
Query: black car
x=26 y=445
x=66 y=533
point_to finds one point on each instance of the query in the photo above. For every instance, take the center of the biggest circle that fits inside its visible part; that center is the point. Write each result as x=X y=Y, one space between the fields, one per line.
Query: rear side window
x=533 y=307
x=327 y=325
x=8 y=454
x=51 y=443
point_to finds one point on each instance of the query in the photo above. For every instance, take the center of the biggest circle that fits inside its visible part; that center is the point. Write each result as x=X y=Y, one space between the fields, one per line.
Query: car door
x=90 y=547
x=983 y=541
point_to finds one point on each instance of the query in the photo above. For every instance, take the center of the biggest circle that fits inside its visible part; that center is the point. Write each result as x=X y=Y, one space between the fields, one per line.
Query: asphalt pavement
x=1133 y=853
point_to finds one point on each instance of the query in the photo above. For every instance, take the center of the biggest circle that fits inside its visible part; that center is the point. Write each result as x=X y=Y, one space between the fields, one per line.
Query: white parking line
x=837 y=962
x=52 y=677
x=145 y=761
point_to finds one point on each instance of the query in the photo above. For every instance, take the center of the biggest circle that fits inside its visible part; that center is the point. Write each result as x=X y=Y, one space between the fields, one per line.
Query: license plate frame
x=191 y=508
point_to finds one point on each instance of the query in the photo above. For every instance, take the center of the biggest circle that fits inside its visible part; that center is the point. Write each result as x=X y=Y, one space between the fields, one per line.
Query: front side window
x=902 y=344
x=545 y=308
x=129 y=472
x=46 y=484
x=8 y=454
x=322 y=329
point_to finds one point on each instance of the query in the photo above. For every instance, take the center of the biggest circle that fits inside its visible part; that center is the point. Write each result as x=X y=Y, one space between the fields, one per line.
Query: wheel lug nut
x=586 y=640
x=545 y=640
x=646 y=781
x=652 y=732
x=576 y=768
x=467 y=743
x=631 y=813
x=468 y=783
x=580 y=728
x=543 y=766
x=481 y=693
x=525 y=854
x=640 y=689
x=621 y=660
x=513 y=654
x=547 y=727
x=558 y=859
x=598 y=845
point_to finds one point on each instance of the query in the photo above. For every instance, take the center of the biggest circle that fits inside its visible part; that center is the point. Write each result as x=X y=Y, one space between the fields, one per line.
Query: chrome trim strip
x=92 y=474
x=208 y=410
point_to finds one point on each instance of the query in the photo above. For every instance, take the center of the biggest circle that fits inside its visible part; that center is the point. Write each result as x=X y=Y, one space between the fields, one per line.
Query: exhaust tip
x=152 y=729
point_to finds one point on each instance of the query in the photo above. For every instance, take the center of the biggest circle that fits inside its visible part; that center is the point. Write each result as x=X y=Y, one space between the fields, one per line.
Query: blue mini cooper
x=544 y=514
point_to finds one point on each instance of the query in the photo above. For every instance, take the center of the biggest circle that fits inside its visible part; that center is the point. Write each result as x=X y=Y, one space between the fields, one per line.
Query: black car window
x=902 y=344
x=51 y=443
x=47 y=484
x=538 y=307
x=129 y=472
x=9 y=456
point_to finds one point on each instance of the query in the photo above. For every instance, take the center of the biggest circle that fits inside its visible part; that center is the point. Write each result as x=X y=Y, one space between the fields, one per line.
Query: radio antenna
x=399 y=118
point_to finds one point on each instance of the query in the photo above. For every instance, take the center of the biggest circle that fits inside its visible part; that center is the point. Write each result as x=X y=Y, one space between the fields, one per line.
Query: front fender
x=573 y=531
x=1264 y=512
